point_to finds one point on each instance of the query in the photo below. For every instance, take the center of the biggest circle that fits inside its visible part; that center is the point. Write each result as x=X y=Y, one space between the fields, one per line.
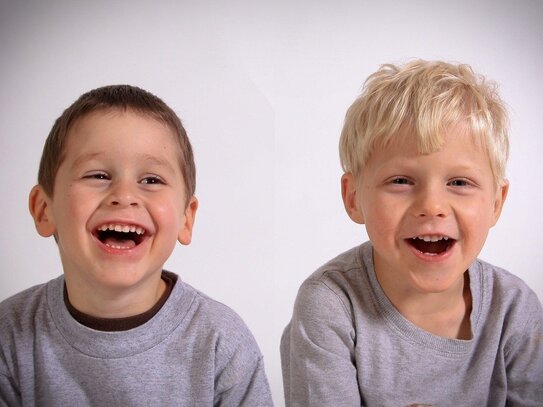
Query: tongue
x=430 y=247
x=124 y=244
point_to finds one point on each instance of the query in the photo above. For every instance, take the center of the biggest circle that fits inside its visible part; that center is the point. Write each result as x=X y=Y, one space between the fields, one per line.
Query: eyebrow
x=150 y=159
x=84 y=157
x=410 y=163
x=156 y=161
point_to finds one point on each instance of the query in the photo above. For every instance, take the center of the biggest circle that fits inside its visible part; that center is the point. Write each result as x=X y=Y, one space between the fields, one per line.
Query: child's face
x=119 y=200
x=427 y=215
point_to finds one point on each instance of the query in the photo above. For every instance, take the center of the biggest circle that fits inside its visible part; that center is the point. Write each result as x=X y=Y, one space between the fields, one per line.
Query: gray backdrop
x=262 y=89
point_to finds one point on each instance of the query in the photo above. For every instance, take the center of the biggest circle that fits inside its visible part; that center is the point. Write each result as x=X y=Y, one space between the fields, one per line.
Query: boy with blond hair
x=116 y=190
x=412 y=317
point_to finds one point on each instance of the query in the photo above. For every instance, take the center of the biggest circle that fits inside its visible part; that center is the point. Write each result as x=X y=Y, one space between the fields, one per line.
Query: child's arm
x=524 y=359
x=9 y=395
x=9 y=392
x=317 y=351
x=242 y=382
x=240 y=378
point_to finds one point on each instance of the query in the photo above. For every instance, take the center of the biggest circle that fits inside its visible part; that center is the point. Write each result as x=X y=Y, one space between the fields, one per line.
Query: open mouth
x=431 y=245
x=122 y=237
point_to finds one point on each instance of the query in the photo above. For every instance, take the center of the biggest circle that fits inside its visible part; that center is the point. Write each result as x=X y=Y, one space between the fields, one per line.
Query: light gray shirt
x=193 y=352
x=347 y=345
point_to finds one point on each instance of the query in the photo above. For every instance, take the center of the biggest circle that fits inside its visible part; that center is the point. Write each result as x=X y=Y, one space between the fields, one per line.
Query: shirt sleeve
x=524 y=359
x=317 y=351
x=240 y=378
x=9 y=391
x=9 y=395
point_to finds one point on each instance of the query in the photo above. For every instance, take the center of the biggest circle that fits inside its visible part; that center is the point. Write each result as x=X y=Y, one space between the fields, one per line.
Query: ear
x=501 y=195
x=40 y=206
x=348 y=193
x=185 y=232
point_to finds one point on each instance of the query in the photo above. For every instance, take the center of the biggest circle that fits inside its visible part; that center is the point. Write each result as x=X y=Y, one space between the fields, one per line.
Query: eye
x=400 y=181
x=459 y=183
x=152 y=180
x=98 y=176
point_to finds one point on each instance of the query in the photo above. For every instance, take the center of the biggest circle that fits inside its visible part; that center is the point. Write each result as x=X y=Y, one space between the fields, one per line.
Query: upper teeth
x=122 y=228
x=432 y=238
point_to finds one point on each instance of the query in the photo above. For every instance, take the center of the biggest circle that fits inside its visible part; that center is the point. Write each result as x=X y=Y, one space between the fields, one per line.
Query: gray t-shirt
x=193 y=352
x=347 y=345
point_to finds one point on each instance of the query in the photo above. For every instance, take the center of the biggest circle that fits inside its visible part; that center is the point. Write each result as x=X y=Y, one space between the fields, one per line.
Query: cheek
x=381 y=223
x=476 y=220
x=75 y=207
x=168 y=212
x=78 y=207
x=479 y=211
x=383 y=210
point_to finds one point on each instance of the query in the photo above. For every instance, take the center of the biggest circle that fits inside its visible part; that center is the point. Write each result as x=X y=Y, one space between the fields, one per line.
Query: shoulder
x=507 y=300
x=341 y=266
x=217 y=330
x=21 y=307
x=323 y=327
x=513 y=316
x=336 y=282
x=342 y=272
x=218 y=322
x=20 y=299
x=332 y=298
x=21 y=317
x=503 y=288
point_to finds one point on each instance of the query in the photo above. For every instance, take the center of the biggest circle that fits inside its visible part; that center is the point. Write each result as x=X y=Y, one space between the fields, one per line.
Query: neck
x=114 y=302
x=445 y=314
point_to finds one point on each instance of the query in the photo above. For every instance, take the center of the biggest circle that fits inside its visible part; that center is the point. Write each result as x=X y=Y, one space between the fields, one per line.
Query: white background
x=262 y=90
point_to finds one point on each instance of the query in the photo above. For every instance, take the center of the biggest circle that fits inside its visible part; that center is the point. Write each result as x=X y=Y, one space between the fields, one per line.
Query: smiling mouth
x=121 y=237
x=431 y=245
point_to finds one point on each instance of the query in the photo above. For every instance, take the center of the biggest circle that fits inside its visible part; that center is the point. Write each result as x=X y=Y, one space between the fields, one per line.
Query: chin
x=439 y=286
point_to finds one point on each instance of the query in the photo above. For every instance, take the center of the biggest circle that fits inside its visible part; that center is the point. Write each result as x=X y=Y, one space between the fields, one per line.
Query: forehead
x=120 y=131
x=456 y=145
x=430 y=141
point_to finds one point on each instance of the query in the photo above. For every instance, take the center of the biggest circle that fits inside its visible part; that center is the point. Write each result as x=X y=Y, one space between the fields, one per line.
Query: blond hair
x=426 y=98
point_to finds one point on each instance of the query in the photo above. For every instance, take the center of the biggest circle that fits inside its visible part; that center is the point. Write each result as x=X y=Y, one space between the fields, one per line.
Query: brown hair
x=123 y=97
x=424 y=97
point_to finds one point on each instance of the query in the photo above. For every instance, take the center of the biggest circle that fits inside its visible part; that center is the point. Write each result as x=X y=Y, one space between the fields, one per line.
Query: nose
x=431 y=202
x=123 y=194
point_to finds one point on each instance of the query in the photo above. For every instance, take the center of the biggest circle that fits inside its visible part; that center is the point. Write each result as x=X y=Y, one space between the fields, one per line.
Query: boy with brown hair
x=116 y=190
x=412 y=317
